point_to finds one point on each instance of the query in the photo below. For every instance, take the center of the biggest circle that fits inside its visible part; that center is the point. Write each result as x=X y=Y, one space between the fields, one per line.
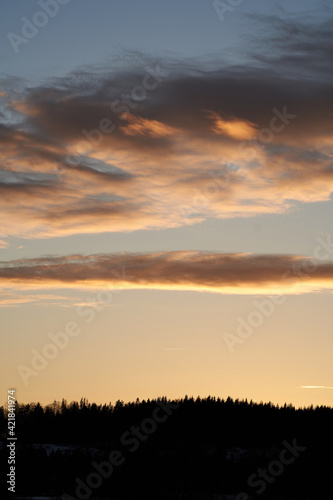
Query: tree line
x=190 y=446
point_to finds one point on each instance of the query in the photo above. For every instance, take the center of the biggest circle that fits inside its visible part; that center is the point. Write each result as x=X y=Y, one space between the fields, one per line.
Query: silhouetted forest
x=161 y=449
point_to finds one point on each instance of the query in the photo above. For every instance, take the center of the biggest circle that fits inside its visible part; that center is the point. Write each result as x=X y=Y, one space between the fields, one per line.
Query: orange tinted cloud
x=234 y=128
x=141 y=126
x=193 y=271
x=165 y=162
x=4 y=244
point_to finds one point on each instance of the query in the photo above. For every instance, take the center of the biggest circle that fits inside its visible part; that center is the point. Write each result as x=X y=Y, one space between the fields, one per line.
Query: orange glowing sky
x=167 y=203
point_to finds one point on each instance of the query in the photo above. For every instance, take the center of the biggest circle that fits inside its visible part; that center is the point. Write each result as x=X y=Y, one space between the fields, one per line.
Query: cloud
x=142 y=126
x=82 y=155
x=16 y=298
x=4 y=244
x=182 y=270
x=234 y=128
x=299 y=44
x=315 y=387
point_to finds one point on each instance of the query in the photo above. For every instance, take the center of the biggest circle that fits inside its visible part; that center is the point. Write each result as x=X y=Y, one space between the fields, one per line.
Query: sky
x=166 y=197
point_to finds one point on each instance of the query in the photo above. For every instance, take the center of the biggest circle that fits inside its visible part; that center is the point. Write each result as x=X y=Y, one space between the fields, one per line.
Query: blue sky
x=80 y=35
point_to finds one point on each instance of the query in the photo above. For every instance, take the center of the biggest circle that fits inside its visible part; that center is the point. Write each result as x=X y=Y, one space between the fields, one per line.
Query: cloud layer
x=196 y=271
x=165 y=145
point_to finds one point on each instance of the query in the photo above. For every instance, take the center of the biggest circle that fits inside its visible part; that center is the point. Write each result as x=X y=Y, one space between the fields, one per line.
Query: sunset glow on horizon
x=166 y=198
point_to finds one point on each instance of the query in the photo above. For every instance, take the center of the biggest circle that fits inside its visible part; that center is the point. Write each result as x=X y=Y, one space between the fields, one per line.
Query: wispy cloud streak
x=316 y=387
